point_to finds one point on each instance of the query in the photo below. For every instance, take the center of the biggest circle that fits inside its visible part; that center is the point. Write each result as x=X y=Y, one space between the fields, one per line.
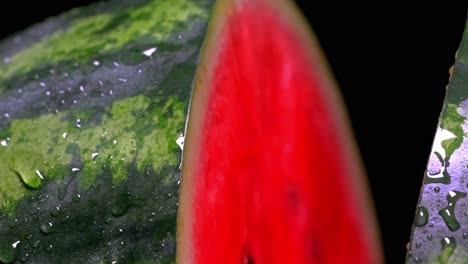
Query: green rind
x=101 y=135
x=89 y=36
x=444 y=238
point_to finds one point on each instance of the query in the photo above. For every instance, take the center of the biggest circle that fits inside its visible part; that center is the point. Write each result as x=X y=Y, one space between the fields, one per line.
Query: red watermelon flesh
x=270 y=172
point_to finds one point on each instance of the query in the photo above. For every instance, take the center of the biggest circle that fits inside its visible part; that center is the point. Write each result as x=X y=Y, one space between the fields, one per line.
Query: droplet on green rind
x=448 y=213
x=30 y=166
x=450 y=254
x=8 y=252
x=12 y=187
x=449 y=244
x=422 y=216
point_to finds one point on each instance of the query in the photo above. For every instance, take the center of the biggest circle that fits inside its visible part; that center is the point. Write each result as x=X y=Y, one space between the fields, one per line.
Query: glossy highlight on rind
x=270 y=172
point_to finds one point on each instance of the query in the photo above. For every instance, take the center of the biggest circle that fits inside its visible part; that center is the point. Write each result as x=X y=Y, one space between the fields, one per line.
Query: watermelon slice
x=439 y=233
x=270 y=172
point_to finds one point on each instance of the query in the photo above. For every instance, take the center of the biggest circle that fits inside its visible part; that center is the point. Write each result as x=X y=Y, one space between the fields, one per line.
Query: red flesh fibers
x=272 y=182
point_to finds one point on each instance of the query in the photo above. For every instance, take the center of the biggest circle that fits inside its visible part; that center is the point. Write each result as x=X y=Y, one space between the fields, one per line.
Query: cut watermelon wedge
x=270 y=173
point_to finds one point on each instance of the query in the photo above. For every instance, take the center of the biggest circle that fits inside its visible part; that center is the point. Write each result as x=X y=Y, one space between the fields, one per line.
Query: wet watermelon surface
x=92 y=103
x=439 y=233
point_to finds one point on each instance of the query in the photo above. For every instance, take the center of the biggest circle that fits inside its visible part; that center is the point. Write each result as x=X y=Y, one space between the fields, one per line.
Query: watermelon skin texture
x=271 y=176
x=439 y=232
x=91 y=105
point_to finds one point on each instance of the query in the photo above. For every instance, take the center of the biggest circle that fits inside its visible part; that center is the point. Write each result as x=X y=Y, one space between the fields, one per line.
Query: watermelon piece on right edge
x=92 y=103
x=440 y=228
x=270 y=173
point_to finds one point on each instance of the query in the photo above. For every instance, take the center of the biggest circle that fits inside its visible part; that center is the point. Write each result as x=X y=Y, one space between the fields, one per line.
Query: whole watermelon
x=93 y=107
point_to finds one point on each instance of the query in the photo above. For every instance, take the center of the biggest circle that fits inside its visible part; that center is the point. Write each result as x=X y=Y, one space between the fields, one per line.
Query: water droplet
x=33 y=210
x=64 y=135
x=24 y=257
x=418 y=244
x=437 y=189
x=447 y=240
x=55 y=211
x=117 y=210
x=78 y=122
x=15 y=244
x=429 y=237
x=47 y=93
x=448 y=247
x=47 y=228
x=120 y=206
x=465 y=235
x=116 y=64
x=43 y=198
x=8 y=253
x=81 y=88
x=122 y=80
x=36 y=243
x=76 y=198
x=417 y=260
x=50 y=248
x=4 y=143
x=42 y=84
x=62 y=191
x=448 y=213
x=422 y=215
x=96 y=63
x=7 y=115
x=39 y=174
x=180 y=141
x=149 y=52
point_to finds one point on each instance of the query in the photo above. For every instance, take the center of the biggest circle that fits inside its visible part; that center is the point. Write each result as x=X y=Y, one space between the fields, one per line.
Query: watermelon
x=92 y=104
x=270 y=171
x=93 y=118
x=440 y=228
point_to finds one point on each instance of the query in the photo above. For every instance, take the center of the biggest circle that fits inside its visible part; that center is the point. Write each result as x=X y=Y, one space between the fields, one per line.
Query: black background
x=391 y=63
